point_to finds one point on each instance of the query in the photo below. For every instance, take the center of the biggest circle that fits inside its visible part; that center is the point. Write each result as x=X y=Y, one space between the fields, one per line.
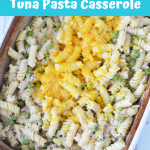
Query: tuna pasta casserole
x=74 y=82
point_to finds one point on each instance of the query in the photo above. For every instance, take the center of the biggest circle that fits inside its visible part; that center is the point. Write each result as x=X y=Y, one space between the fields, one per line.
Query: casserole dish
x=19 y=23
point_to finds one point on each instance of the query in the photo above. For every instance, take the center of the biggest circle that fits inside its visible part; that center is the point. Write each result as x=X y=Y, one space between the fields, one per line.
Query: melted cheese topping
x=82 y=42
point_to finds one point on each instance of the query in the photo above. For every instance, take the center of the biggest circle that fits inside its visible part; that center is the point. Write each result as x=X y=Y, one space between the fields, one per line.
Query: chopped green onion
x=26 y=55
x=42 y=69
x=80 y=88
x=13 y=117
x=119 y=108
x=85 y=108
x=27 y=46
x=36 y=66
x=121 y=120
x=102 y=63
x=111 y=99
x=55 y=29
x=54 y=137
x=39 y=48
x=11 y=122
x=102 y=17
x=133 y=37
x=103 y=137
x=30 y=85
x=42 y=17
x=29 y=74
x=27 y=115
x=115 y=35
x=21 y=104
x=46 y=56
x=49 y=46
x=147 y=70
x=40 y=121
x=38 y=83
x=32 y=149
x=58 y=24
x=95 y=128
x=132 y=63
x=108 y=117
x=47 y=39
x=89 y=85
x=131 y=45
x=25 y=142
x=127 y=84
x=30 y=33
x=133 y=74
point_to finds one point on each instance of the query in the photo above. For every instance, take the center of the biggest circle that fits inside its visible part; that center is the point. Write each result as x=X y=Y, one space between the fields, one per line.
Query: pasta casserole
x=74 y=82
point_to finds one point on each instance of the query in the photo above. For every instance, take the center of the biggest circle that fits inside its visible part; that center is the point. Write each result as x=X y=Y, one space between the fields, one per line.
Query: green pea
x=11 y=122
x=13 y=117
x=89 y=85
x=127 y=84
x=119 y=108
x=39 y=48
x=133 y=37
x=147 y=70
x=36 y=66
x=41 y=69
x=128 y=59
x=135 y=51
x=42 y=17
x=97 y=30
x=120 y=79
x=55 y=29
x=115 y=35
x=46 y=56
x=25 y=141
x=27 y=46
x=133 y=74
x=136 y=55
x=21 y=104
x=110 y=42
x=54 y=137
x=58 y=24
x=80 y=88
x=85 y=108
x=131 y=45
x=38 y=83
x=30 y=85
x=30 y=33
x=121 y=120
x=108 y=117
x=47 y=39
x=40 y=121
x=116 y=77
x=27 y=115
x=102 y=17
x=111 y=99
x=29 y=74
x=102 y=62
x=95 y=128
x=49 y=46
x=132 y=63
x=26 y=55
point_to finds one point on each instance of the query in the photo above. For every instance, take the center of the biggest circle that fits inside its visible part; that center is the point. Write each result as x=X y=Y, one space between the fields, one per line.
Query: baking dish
x=14 y=27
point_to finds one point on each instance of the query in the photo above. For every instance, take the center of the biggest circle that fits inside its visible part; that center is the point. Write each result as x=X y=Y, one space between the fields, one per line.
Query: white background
x=144 y=141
